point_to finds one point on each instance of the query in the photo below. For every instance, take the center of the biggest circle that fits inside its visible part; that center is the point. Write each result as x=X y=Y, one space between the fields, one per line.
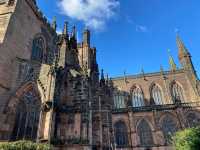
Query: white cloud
x=59 y=31
x=129 y=20
x=94 y=13
x=141 y=28
x=138 y=27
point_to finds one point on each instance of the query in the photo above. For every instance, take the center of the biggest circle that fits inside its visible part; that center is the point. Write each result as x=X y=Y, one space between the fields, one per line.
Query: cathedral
x=52 y=91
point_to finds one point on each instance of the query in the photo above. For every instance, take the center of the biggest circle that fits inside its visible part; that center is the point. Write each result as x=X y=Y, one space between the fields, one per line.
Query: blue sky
x=132 y=34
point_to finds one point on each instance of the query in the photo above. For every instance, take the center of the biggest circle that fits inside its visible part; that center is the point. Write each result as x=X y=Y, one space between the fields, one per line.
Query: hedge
x=24 y=145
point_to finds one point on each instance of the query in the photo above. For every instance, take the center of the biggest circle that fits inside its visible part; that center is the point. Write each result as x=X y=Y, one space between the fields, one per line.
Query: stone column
x=131 y=127
x=47 y=116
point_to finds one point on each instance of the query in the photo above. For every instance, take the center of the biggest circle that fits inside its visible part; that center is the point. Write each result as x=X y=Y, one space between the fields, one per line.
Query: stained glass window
x=145 y=133
x=137 y=97
x=38 y=49
x=156 y=94
x=169 y=127
x=177 y=92
x=27 y=117
x=121 y=134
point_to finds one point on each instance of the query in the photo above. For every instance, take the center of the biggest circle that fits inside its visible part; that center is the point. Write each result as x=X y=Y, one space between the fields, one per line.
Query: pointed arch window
x=145 y=134
x=169 y=127
x=27 y=117
x=119 y=100
x=38 y=49
x=177 y=92
x=121 y=134
x=193 y=120
x=156 y=95
x=137 y=97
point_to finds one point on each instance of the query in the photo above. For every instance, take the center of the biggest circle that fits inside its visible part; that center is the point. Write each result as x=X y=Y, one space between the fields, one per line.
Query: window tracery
x=156 y=94
x=169 y=127
x=177 y=92
x=145 y=133
x=137 y=97
x=27 y=117
x=38 y=49
x=119 y=100
x=121 y=135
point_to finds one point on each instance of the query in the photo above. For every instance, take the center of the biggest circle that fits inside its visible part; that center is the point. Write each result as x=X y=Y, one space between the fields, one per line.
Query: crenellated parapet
x=40 y=15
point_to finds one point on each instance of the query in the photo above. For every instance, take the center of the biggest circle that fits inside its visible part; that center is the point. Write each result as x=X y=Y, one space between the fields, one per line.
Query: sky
x=131 y=35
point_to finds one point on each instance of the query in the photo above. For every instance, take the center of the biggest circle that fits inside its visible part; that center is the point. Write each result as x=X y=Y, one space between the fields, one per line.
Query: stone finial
x=86 y=37
x=102 y=80
x=65 y=29
x=162 y=71
x=54 y=24
x=125 y=78
x=143 y=74
x=173 y=66
x=73 y=34
x=110 y=82
x=107 y=79
x=102 y=75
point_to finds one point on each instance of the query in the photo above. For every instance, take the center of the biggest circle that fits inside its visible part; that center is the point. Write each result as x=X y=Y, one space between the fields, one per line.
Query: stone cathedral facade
x=50 y=90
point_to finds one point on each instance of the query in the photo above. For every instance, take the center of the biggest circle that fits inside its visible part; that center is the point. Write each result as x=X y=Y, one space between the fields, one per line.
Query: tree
x=188 y=139
x=24 y=145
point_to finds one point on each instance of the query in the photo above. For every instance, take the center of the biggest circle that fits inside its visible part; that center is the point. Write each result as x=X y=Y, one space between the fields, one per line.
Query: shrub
x=24 y=145
x=188 y=139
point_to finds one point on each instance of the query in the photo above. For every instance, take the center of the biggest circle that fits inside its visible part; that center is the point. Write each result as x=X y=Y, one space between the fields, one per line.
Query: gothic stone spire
x=182 y=50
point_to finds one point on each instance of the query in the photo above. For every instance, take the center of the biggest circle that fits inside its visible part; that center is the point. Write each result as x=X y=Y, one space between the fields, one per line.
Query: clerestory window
x=177 y=92
x=137 y=97
x=156 y=95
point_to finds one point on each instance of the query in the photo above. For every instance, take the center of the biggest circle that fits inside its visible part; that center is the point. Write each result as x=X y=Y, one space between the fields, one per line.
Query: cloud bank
x=94 y=13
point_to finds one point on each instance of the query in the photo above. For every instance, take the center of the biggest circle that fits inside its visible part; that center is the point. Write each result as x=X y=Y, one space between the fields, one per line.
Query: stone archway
x=193 y=119
x=169 y=126
x=144 y=132
x=24 y=113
